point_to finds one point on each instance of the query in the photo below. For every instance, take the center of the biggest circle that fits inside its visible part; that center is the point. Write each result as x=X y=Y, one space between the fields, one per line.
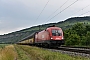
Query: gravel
x=71 y=53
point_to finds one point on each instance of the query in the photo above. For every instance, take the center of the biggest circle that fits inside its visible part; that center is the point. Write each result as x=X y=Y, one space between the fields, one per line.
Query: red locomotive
x=52 y=36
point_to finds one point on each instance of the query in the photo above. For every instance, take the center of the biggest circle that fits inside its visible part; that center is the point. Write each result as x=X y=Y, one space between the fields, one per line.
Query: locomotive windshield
x=56 y=33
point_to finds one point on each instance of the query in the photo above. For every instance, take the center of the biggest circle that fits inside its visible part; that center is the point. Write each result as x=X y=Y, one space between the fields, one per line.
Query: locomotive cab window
x=56 y=33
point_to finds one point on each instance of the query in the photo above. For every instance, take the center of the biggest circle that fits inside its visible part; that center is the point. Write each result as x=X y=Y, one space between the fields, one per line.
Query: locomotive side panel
x=42 y=36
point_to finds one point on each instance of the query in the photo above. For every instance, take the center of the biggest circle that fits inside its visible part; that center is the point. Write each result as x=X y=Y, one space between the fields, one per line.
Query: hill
x=18 y=35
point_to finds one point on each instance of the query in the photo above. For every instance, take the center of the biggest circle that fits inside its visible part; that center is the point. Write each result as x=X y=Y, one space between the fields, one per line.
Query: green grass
x=24 y=52
x=8 y=53
x=41 y=54
x=3 y=45
x=22 y=55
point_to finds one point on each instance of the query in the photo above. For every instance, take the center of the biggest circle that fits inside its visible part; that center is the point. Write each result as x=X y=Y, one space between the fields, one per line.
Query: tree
x=79 y=34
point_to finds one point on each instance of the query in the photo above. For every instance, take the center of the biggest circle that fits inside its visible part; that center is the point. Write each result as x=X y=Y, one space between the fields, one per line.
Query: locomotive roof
x=30 y=36
x=53 y=28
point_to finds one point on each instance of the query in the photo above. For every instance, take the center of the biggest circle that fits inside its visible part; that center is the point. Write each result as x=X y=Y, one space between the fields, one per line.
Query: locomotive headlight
x=62 y=38
x=51 y=38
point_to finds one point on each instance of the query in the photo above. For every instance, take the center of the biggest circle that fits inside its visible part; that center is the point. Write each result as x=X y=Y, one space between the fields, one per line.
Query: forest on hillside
x=78 y=34
x=69 y=27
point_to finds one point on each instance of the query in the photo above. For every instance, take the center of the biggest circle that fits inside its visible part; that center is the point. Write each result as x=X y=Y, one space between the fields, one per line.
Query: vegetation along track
x=25 y=52
x=22 y=55
x=80 y=51
x=35 y=53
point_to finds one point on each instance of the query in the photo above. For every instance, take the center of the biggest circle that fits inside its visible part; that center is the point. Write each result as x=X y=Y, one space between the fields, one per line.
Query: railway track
x=73 y=51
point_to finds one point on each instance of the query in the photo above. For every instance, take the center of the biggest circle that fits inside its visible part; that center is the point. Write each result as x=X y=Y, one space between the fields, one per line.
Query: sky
x=16 y=15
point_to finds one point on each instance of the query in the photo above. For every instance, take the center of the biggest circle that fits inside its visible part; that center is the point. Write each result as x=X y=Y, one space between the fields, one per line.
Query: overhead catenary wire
x=62 y=10
x=58 y=8
x=81 y=9
x=84 y=13
x=42 y=10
